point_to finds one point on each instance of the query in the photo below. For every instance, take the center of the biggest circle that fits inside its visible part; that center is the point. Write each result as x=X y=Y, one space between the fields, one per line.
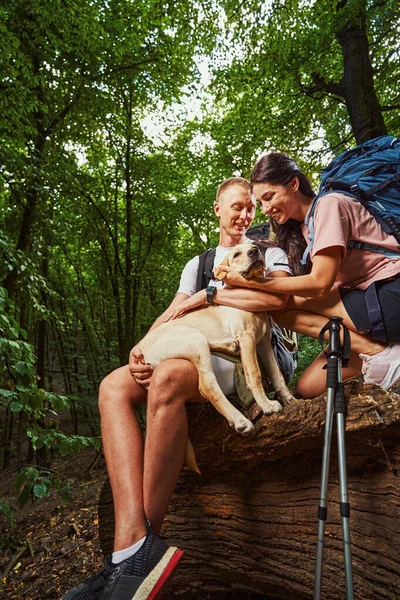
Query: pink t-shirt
x=338 y=219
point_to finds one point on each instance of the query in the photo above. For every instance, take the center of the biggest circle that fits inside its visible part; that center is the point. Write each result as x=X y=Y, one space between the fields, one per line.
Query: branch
x=62 y=114
x=320 y=85
x=13 y=191
x=391 y=107
x=126 y=67
x=343 y=143
x=100 y=213
x=385 y=62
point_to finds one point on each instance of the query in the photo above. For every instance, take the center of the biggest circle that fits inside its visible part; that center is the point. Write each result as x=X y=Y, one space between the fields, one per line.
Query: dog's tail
x=190 y=458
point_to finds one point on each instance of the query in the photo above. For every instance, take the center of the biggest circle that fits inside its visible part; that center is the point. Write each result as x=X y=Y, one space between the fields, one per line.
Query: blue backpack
x=370 y=173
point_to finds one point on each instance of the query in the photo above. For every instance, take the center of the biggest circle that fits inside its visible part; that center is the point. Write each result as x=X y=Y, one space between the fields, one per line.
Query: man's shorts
x=231 y=378
x=388 y=291
x=225 y=373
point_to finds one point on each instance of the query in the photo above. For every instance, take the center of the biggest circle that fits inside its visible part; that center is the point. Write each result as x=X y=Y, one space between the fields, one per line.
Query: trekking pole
x=336 y=356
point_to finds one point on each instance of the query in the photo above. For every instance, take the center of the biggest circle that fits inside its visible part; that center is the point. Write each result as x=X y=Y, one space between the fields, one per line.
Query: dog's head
x=247 y=259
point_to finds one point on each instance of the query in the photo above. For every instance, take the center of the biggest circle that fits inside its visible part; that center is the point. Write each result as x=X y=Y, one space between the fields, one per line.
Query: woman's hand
x=196 y=301
x=140 y=371
x=232 y=277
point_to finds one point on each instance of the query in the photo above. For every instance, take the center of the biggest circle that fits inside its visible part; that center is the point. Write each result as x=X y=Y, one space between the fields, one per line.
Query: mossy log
x=248 y=524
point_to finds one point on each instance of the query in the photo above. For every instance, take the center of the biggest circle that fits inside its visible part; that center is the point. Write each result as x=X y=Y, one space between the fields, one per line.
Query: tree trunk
x=249 y=523
x=358 y=83
x=31 y=201
x=128 y=326
x=42 y=454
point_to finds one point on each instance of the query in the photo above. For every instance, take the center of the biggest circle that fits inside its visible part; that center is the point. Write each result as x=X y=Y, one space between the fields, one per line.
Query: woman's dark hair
x=278 y=169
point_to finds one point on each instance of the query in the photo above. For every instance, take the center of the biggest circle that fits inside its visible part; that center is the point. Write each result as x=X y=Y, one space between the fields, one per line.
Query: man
x=143 y=475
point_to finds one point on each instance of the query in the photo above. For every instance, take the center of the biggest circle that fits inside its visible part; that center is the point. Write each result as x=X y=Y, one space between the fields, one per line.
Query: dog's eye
x=236 y=254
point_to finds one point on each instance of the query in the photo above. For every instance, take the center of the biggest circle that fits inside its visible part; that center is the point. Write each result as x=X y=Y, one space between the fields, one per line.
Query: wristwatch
x=210 y=291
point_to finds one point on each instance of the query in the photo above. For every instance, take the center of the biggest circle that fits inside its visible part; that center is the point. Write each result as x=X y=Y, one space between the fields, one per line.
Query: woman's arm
x=317 y=284
x=253 y=299
x=243 y=299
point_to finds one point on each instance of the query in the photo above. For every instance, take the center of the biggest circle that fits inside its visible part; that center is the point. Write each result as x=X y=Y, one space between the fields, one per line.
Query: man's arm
x=179 y=298
x=141 y=371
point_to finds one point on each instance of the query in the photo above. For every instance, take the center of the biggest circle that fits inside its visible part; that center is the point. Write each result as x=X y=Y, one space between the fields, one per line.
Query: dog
x=221 y=328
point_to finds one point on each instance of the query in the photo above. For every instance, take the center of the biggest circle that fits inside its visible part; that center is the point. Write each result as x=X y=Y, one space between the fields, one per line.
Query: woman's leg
x=308 y=316
x=312 y=382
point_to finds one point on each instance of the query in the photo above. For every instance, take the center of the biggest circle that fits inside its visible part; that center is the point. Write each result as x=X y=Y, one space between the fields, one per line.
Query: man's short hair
x=230 y=183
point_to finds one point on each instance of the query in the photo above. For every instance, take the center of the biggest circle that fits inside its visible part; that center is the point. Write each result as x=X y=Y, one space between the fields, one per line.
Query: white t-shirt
x=275 y=260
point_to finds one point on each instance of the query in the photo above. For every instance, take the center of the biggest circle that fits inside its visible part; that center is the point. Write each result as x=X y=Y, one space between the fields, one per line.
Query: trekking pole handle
x=334 y=350
x=334 y=335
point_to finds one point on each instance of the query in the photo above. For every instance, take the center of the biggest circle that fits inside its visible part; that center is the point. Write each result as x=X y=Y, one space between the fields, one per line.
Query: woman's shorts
x=388 y=292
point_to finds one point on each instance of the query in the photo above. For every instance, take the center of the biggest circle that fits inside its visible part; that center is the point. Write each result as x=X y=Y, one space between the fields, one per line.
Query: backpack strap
x=375 y=314
x=372 y=248
x=205 y=271
x=259 y=231
x=309 y=222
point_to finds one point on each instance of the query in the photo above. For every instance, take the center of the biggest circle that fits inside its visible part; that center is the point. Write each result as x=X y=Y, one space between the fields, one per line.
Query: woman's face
x=277 y=201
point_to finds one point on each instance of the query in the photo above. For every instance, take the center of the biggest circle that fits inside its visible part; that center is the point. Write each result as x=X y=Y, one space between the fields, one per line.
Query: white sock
x=121 y=555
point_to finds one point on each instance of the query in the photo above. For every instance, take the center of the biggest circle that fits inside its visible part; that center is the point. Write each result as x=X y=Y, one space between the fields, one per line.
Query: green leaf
x=40 y=490
x=25 y=495
x=16 y=406
x=7 y=393
x=64 y=446
x=35 y=399
x=7 y=510
x=58 y=402
x=66 y=495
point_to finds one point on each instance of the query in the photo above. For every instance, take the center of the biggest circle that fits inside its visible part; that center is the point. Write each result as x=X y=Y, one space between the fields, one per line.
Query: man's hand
x=140 y=371
x=196 y=301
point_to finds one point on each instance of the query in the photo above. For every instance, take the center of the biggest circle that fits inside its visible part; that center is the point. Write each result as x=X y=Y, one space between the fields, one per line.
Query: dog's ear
x=219 y=273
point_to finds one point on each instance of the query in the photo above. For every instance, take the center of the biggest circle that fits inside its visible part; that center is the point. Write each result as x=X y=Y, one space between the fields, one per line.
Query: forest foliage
x=107 y=175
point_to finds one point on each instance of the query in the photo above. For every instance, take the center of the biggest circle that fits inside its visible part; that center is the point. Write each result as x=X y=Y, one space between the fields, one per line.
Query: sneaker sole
x=156 y=581
x=393 y=384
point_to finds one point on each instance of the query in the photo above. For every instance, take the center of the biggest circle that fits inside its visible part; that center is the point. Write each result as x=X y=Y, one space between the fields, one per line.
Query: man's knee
x=119 y=386
x=173 y=381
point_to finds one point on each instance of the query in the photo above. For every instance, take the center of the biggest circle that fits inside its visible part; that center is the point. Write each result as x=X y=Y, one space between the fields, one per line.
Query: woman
x=338 y=277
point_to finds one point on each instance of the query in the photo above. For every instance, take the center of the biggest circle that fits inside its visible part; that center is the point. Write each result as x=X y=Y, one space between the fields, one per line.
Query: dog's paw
x=272 y=407
x=243 y=425
x=287 y=400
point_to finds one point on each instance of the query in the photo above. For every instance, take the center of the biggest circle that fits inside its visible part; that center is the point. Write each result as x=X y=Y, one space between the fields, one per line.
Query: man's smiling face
x=236 y=209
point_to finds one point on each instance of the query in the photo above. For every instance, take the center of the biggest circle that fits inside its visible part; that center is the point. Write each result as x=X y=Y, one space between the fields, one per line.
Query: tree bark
x=358 y=84
x=42 y=454
x=128 y=326
x=249 y=523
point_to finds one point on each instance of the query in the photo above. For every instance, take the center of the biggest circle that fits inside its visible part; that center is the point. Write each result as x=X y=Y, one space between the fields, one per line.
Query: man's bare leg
x=138 y=497
x=174 y=382
x=123 y=449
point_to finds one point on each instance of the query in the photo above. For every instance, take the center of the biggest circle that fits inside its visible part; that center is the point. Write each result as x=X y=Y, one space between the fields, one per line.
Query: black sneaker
x=144 y=575
x=92 y=588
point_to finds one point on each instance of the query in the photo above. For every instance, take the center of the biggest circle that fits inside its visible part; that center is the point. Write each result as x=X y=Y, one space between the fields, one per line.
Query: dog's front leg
x=268 y=359
x=209 y=388
x=253 y=374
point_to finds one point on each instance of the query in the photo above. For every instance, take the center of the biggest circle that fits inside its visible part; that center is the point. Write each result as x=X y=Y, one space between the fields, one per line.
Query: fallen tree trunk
x=249 y=522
